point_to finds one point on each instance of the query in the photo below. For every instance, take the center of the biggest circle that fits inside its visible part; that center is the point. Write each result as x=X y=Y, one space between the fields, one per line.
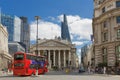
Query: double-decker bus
x=42 y=65
x=24 y=64
x=27 y=64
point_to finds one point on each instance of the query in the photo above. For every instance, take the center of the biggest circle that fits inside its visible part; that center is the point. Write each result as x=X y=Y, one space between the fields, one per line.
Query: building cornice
x=4 y=30
x=104 y=3
x=106 y=15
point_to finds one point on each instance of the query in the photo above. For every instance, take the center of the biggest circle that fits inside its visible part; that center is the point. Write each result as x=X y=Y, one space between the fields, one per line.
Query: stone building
x=87 y=56
x=59 y=53
x=4 y=55
x=106 y=31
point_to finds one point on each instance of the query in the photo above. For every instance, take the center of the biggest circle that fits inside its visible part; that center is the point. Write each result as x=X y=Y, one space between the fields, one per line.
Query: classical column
x=64 y=59
x=54 y=57
x=49 y=60
x=39 y=52
x=69 y=57
x=59 y=60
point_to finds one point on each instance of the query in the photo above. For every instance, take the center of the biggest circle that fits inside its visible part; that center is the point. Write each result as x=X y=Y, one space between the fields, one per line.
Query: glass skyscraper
x=8 y=22
x=13 y=25
x=25 y=33
x=65 y=35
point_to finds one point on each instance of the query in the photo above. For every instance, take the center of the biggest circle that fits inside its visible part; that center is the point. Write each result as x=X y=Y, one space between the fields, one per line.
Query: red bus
x=24 y=64
x=43 y=63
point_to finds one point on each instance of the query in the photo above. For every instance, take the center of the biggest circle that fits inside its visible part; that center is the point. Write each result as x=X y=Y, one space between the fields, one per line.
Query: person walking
x=104 y=70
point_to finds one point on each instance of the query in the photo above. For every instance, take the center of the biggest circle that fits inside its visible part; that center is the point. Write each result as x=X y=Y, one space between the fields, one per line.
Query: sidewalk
x=2 y=73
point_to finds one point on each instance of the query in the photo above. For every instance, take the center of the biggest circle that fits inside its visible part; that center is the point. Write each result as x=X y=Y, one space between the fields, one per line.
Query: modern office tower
x=15 y=47
x=25 y=33
x=13 y=25
x=106 y=31
x=65 y=35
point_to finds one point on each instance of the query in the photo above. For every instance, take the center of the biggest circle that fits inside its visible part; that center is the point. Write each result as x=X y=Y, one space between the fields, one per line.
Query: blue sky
x=45 y=8
x=79 y=14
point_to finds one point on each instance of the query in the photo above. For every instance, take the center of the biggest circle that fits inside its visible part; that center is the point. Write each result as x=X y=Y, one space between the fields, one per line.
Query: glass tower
x=64 y=29
x=25 y=33
x=13 y=24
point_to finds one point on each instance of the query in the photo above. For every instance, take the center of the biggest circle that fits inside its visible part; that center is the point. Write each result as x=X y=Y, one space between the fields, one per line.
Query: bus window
x=19 y=57
x=28 y=57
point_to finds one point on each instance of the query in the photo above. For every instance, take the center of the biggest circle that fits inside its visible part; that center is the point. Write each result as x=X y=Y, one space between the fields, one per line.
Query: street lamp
x=37 y=18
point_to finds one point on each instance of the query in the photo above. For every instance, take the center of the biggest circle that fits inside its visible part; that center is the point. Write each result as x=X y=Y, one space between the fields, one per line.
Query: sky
x=79 y=15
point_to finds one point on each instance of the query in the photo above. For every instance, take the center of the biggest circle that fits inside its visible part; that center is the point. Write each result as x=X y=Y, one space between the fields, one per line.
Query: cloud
x=46 y=30
x=80 y=28
x=78 y=43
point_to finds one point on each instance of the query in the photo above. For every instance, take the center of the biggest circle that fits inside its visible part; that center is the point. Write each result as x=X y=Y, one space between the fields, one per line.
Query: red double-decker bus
x=27 y=64
x=43 y=63
x=24 y=64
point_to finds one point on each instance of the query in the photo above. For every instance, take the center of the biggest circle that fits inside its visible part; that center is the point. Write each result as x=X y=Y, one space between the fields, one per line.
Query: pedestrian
x=89 y=69
x=104 y=70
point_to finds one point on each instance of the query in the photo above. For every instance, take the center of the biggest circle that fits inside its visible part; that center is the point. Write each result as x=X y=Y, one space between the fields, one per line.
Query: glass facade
x=17 y=28
x=12 y=23
x=25 y=33
x=8 y=22
x=64 y=30
x=117 y=3
x=118 y=19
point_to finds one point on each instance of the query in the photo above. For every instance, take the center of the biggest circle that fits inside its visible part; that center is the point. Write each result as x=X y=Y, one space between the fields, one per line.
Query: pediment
x=53 y=43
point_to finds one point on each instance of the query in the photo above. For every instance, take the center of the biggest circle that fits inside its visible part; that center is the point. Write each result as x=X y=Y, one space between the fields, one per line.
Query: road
x=59 y=75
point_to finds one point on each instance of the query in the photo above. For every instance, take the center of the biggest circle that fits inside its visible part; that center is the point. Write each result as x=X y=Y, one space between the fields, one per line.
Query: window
x=19 y=57
x=103 y=9
x=104 y=50
x=105 y=36
x=105 y=24
x=118 y=52
x=118 y=19
x=117 y=3
x=118 y=33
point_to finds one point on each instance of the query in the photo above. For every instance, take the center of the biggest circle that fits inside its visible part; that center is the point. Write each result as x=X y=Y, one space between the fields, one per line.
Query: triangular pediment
x=53 y=43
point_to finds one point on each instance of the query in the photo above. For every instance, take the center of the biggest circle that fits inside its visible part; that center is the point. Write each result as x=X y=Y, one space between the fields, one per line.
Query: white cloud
x=79 y=26
x=46 y=30
x=78 y=43
x=82 y=27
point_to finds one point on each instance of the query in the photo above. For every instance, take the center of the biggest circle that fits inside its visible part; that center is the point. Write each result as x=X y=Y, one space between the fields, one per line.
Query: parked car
x=81 y=70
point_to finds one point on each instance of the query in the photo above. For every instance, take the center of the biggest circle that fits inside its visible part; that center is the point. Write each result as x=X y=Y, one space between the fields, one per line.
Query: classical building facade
x=59 y=53
x=106 y=31
x=4 y=55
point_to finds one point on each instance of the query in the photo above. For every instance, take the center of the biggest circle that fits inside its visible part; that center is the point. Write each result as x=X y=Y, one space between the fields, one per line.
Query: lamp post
x=37 y=18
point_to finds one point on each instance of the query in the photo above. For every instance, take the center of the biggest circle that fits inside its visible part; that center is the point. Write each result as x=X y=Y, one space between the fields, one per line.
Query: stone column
x=69 y=57
x=59 y=60
x=64 y=59
x=39 y=52
x=49 y=60
x=54 y=57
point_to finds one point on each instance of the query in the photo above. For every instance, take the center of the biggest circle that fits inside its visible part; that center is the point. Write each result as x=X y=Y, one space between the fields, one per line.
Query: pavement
x=62 y=75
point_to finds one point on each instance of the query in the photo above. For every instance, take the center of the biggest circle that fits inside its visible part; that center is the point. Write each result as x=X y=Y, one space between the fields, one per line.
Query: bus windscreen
x=19 y=57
